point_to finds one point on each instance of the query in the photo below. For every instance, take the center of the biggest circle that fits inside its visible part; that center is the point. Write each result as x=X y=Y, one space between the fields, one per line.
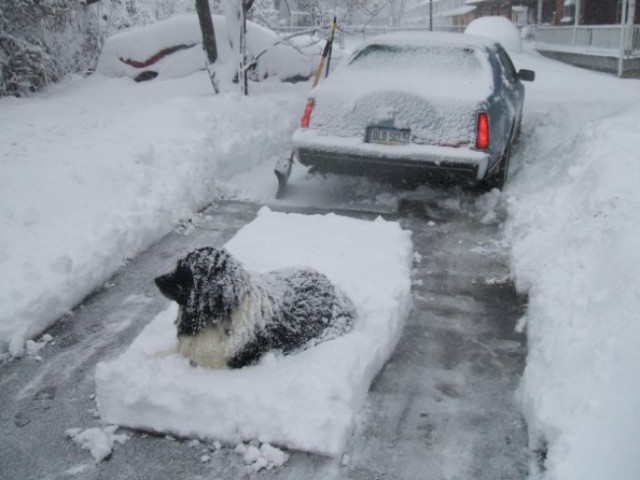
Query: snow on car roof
x=499 y=29
x=425 y=38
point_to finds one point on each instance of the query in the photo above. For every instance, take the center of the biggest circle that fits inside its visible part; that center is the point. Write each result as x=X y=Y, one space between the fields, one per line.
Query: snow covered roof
x=457 y=11
x=498 y=28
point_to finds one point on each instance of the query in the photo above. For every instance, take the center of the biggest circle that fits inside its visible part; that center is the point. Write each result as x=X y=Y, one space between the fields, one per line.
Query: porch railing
x=593 y=38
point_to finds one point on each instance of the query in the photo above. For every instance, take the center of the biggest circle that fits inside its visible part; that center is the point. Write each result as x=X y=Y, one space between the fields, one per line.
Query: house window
x=568 y=11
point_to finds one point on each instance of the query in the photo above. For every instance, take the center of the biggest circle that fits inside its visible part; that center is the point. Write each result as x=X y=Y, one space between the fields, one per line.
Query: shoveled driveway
x=443 y=407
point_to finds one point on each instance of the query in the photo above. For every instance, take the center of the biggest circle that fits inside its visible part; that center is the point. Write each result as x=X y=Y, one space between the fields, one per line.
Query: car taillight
x=482 y=138
x=306 y=115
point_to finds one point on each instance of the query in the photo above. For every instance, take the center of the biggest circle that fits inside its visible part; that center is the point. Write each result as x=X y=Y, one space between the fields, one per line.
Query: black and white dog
x=229 y=317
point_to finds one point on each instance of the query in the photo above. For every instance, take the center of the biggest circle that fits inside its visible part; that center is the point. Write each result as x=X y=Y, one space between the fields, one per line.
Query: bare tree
x=243 y=79
x=208 y=39
x=236 y=13
x=369 y=10
x=40 y=42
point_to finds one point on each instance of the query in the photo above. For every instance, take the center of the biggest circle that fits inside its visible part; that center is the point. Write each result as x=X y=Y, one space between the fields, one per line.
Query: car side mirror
x=527 y=75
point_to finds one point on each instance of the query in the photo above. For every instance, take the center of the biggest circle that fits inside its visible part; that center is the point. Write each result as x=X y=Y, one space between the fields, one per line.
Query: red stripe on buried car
x=158 y=56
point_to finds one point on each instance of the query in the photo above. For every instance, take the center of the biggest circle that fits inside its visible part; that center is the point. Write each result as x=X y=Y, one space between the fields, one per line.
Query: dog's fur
x=229 y=317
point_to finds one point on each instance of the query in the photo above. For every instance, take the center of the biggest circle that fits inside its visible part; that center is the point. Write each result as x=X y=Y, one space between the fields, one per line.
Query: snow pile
x=500 y=29
x=32 y=347
x=488 y=206
x=96 y=170
x=574 y=229
x=98 y=441
x=263 y=457
x=306 y=401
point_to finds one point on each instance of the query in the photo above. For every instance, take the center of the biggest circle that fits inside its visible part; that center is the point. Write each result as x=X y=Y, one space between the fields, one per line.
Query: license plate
x=388 y=135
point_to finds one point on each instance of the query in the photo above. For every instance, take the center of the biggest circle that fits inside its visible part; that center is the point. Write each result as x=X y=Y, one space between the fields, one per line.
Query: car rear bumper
x=344 y=155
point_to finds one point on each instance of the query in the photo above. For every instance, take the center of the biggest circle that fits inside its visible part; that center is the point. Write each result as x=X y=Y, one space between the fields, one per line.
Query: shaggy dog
x=229 y=317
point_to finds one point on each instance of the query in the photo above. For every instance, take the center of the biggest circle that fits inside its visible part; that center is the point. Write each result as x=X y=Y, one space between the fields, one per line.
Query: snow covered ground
x=94 y=170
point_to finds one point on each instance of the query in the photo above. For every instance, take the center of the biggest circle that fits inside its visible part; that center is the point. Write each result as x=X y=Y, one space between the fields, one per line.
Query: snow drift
x=574 y=231
x=500 y=29
x=96 y=170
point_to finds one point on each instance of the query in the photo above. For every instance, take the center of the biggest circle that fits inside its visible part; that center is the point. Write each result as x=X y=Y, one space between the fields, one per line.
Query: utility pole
x=576 y=21
x=242 y=49
x=431 y=15
x=539 y=22
x=623 y=29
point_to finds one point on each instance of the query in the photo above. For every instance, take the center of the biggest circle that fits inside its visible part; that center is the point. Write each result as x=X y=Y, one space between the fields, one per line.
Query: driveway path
x=442 y=408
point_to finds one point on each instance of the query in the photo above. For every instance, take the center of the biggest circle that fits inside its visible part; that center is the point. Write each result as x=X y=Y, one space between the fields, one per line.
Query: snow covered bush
x=123 y=14
x=21 y=63
x=40 y=42
x=264 y=12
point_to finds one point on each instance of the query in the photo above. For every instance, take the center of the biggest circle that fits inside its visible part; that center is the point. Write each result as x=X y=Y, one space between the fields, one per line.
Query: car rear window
x=432 y=58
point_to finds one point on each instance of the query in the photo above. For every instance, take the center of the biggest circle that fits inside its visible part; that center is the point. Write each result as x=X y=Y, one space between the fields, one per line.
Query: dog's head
x=207 y=284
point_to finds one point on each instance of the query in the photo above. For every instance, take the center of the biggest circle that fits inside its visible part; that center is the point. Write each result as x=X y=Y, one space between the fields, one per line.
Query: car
x=444 y=108
x=172 y=48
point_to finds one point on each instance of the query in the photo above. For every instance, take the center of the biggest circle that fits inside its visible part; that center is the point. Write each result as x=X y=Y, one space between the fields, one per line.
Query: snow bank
x=94 y=171
x=574 y=231
x=98 y=441
x=500 y=29
x=265 y=457
x=306 y=401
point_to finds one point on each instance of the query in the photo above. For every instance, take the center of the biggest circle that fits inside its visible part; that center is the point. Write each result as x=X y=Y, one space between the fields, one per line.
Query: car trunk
x=436 y=111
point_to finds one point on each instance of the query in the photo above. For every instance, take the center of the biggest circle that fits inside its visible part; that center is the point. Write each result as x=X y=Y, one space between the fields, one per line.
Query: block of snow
x=306 y=401
x=265 y=457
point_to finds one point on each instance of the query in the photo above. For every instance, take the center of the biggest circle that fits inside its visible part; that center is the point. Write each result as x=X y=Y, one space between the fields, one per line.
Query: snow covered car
x=438 y=107
x=172 y=48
